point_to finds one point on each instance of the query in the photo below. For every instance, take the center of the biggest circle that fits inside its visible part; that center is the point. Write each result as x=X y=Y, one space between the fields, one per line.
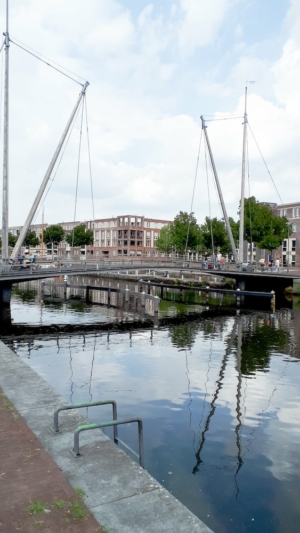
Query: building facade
x=289 y=251
x=126 y=236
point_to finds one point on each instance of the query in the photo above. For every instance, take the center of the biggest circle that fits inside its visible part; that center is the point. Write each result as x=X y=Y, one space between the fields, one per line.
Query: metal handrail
x=75 y=451
x=87 y=404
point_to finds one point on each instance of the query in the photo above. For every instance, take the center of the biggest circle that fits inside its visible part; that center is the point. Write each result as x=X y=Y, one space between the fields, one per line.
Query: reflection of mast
x=92 y=367
x=238 y=404
x=190 y=394
x=215 y=397
x=71 y=375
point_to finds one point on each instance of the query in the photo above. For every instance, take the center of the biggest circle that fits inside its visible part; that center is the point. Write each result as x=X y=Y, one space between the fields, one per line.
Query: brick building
x=126 y=235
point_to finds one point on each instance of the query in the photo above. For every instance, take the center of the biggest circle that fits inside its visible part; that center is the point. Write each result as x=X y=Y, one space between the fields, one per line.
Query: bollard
x=65 y=288
x=143 y=299
x=156 y=304
x=126 y=295
x=87 y=293
x=162 y=290
x=108 y=296
x=42 y=288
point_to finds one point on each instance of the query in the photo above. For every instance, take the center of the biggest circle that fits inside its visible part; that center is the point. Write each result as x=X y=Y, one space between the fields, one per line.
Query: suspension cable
x=46 y=63
x=193 y=194
x=89 y=155
x=78 y=166
x=265 y=163
x=209 y=204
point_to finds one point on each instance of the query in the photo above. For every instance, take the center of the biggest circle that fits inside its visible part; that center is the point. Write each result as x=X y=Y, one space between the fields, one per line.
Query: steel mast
x=229 y=232
x=40 y=193
x=241 y=231
x=5 y=149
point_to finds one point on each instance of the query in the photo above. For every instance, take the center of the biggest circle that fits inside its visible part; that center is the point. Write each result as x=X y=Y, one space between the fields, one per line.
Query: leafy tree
x=218 y=229
x=80 y=236
x=263 y=227
x=164 y=242
x=54 y=234
x=31 y=239
x=12 y=239
x=186 y=233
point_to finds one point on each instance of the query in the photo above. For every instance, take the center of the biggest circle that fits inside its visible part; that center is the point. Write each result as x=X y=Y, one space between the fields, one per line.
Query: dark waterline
x=219 y=398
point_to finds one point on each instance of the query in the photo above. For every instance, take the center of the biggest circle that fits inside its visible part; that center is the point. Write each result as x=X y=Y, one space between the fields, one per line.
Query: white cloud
x=201 y=22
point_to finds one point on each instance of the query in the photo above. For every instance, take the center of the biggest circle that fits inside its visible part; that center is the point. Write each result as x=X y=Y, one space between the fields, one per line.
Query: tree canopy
x=80 y=236
x=262 y=226
x=54 y=234
x=164 y=242
x=186 y=233
x=31 y=239
x=12 y=239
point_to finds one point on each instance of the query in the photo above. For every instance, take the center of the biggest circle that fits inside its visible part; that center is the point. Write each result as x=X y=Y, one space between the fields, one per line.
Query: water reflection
x=220 y=402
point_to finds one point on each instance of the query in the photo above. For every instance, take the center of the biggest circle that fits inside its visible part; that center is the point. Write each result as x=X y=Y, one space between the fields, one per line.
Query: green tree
x=12 y=239
x=186 y=233
x=31 y=239
x=218 y=229
x=54 y=234
x=80 y=236
x=164 y=242
x=263 y=227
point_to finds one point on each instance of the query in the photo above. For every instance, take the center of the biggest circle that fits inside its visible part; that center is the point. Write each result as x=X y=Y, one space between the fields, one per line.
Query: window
x=296 y=212
x=148 y=224
x=120 y=221
x=294 y=228
x=126 y=221
x=284 y=246
x=119 y=252
x=147 y=253
x=132 y=252
x=283 y=212
x=293 y=245
x=148 y=244
x=132 y=243
x=138 y=222
x=120 y=242
x=132 y=221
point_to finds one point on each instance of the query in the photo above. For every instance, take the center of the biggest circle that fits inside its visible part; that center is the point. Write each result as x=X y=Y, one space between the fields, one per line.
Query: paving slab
x=117 y=491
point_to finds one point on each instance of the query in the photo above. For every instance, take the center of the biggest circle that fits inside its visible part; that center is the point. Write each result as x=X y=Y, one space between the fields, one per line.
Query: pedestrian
x=277 y=264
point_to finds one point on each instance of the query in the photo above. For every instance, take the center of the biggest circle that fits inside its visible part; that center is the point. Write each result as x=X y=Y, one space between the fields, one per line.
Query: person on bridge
x=277 y=264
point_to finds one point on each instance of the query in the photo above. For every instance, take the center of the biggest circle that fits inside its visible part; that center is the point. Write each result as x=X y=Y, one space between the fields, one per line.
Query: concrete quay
x=121 y=495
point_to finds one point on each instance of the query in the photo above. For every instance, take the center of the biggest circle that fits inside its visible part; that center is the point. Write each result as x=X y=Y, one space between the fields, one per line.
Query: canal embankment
x=117 y=491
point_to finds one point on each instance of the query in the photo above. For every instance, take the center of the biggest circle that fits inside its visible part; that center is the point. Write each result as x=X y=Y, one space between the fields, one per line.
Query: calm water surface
x=220 y=401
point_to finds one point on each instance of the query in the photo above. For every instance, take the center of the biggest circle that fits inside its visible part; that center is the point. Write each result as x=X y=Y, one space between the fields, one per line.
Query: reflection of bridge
x=251 y=281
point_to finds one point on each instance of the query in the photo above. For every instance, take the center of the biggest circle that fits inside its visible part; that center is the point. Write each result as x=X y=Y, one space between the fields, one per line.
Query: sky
x=154 y=69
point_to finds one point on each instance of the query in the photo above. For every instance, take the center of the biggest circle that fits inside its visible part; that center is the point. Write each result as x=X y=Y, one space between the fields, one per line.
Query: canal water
x=219 y=398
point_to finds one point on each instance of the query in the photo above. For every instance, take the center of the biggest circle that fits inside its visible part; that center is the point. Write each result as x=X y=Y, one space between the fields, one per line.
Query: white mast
x=5 y=149
x=241 y=232
x=228 y=227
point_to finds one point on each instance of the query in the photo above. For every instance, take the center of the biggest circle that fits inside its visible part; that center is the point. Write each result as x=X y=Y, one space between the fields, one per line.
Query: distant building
x=121 y=236
x=290 y=248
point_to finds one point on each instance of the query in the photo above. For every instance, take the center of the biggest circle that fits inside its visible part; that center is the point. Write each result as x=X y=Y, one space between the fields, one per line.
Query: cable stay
x=264 y=161
x=193 y=195
x=46 y=62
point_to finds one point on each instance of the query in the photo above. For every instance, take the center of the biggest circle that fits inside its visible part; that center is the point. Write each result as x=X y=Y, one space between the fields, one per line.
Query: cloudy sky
x=154 y=68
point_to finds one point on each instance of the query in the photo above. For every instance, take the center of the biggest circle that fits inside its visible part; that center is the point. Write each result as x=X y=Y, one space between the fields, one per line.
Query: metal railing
x=75 y=450
x=86 y=404
x=114 y=423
